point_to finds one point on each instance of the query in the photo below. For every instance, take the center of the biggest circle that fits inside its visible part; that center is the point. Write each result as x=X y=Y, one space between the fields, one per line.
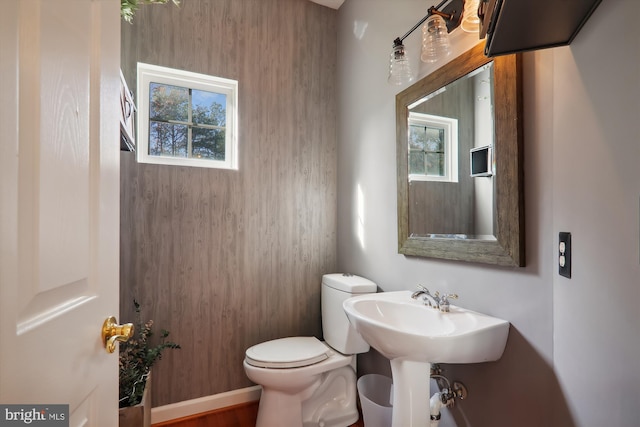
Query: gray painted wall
x=573 y=355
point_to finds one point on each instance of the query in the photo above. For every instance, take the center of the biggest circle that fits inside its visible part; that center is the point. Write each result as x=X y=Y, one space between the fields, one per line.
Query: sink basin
x=413 y=336
x=398 y=326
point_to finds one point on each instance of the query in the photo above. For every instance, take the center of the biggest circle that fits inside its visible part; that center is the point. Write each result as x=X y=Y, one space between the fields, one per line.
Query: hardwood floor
x=243 y=415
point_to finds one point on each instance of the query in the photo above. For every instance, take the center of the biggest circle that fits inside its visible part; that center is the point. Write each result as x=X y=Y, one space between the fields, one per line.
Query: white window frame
x=148 y=74
x=450 y=127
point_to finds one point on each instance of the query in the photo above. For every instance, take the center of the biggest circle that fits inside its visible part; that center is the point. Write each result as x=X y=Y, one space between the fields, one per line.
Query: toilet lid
x=292 y=352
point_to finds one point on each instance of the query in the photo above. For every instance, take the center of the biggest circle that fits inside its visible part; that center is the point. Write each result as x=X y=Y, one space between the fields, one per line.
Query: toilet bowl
x=307 y=382
x=287 y=391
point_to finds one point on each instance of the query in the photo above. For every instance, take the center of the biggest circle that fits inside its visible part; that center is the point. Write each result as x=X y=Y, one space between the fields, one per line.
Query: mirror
x=459 y=162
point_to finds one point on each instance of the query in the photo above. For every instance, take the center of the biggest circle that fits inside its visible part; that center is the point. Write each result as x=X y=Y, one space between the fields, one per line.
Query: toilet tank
x=337 y=330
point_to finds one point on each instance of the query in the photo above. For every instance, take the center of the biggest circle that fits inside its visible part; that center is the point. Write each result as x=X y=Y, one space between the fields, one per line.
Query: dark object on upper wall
x=520 y=25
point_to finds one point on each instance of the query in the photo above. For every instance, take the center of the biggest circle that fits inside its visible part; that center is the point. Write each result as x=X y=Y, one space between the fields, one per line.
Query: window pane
x=416 y=162
x=168 y=102
x=426 y=150
x=434 y=145
x=209 y=108
x=435 y=164
x=417 y=137
x=208 y=143
x=166 y=139
x=435 y=139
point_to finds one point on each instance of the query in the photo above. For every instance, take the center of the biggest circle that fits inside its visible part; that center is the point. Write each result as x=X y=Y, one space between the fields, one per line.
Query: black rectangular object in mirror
x=481 y=159
x=518 y=26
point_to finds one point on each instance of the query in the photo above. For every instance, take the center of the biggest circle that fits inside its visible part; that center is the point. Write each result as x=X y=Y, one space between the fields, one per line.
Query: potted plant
x=137 y=356
x=128 y=8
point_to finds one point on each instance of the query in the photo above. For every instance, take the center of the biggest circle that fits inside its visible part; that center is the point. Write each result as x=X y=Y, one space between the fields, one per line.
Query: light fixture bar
x=435 y=39
x=452 y=15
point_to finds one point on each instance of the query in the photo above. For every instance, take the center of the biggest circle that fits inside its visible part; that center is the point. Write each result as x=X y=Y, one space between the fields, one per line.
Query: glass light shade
x=435 y=39
x=470 y=20
x=399 y=66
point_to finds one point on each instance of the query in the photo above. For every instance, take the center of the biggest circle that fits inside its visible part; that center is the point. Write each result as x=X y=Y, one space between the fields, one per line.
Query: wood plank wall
x=227 y=259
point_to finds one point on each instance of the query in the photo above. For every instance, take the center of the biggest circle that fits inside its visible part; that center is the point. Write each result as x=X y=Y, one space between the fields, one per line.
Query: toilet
x=307 y=382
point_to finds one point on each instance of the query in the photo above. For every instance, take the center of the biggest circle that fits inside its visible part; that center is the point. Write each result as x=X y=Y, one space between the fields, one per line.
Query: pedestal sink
x=413 y=336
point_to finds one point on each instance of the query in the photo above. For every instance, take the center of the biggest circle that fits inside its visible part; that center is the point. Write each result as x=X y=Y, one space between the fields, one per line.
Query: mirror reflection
x=450 y=164
x=459 y=162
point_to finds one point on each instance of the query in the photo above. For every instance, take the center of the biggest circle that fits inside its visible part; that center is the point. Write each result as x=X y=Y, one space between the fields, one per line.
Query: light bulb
x=435 y=39
x=399 y=66
x=470 y=20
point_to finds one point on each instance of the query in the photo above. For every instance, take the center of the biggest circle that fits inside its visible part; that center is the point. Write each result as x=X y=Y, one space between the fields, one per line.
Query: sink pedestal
x=411 y=382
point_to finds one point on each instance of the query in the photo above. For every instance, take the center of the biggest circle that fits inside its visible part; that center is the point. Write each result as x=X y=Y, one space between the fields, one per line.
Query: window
x=186 y=119
x=433 y=148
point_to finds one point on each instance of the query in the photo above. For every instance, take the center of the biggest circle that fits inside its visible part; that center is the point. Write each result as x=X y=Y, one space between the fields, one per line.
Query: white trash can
x=375 y=396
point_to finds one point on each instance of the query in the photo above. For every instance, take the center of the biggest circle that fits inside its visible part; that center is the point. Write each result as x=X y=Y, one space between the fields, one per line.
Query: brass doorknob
x=112 y=332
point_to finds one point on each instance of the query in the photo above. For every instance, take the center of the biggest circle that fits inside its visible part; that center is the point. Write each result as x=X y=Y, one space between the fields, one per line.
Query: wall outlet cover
x=564 y=254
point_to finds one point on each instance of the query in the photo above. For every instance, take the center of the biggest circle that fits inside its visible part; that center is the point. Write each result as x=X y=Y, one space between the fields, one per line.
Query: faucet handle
x=444 y=301
x=422 y=288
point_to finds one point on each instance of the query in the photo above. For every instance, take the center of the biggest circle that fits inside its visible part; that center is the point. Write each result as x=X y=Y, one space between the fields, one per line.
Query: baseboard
x=187 y=408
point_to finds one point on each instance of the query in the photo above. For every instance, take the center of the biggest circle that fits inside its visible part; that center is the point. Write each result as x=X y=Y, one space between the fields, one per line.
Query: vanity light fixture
x=399 y=66
x=470 y=19
x=439 y=21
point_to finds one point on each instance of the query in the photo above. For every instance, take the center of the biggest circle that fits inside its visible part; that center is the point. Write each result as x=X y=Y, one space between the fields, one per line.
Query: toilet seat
x=292 y=352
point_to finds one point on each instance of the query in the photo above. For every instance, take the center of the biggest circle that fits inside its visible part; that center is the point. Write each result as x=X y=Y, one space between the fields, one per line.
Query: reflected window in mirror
x=433 y=148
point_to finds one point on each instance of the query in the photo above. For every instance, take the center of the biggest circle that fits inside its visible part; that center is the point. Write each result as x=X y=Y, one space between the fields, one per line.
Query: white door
x=59 y=203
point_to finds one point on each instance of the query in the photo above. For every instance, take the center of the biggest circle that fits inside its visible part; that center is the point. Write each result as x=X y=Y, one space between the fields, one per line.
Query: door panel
x=59 y=170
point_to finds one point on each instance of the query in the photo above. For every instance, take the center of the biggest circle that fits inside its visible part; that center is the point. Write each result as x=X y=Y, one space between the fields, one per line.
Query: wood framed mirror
x=459 y=162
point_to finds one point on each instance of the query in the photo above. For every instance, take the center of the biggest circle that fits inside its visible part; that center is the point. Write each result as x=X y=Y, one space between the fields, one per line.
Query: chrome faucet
x=421 y=290
x=426 y=295
x=439 y=302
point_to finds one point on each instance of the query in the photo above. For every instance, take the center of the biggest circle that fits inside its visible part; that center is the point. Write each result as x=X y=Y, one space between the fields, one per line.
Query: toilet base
x=329 y=402
x=334 y=403
x=278 y=409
